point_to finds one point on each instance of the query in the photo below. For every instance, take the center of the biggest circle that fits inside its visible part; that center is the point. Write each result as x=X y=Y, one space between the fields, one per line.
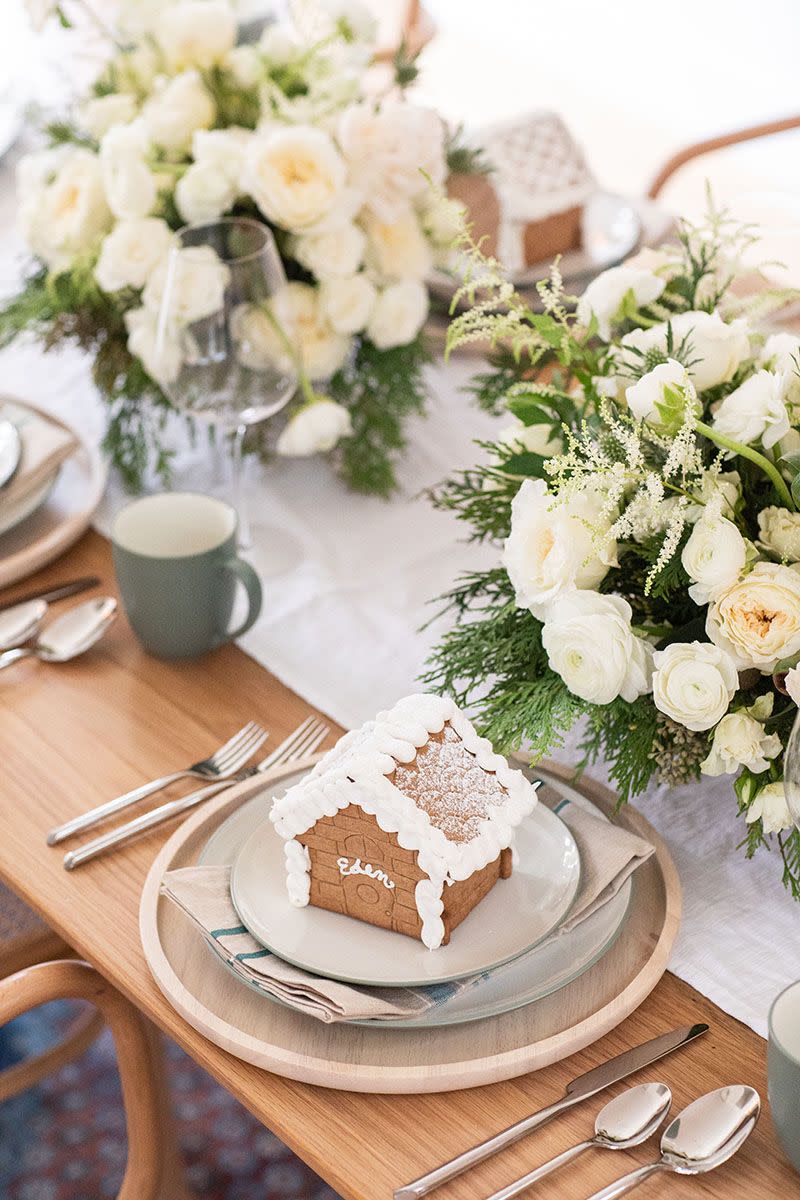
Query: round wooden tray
x=414 y=1060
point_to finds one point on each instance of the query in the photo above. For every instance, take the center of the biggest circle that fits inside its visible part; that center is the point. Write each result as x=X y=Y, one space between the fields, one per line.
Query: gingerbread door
x=367 y=896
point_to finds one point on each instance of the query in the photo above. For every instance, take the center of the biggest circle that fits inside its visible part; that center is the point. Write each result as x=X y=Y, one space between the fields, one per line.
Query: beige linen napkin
x=46 y=444
x=609 y=856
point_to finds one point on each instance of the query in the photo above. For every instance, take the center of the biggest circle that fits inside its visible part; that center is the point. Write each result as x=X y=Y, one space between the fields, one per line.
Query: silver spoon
x=20 y=623
x=10 y=451
x=627 y=1120
x=69 y=635
x=702 y=1137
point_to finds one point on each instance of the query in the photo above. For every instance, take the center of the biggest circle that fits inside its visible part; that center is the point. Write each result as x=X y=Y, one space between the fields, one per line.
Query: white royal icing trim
x=298 y=873
x=355 y=772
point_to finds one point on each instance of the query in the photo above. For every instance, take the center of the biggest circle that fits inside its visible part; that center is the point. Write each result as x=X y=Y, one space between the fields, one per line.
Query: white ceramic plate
x=12 y=515
x=539 y=894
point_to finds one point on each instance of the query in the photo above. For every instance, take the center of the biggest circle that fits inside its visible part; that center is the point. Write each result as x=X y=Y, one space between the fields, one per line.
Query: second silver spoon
x=69 y=635
x=627 y=1120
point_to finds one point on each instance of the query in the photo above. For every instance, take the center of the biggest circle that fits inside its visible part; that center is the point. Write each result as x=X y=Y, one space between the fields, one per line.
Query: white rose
x=223 y=149
x=348 y=304
x=295 y=175
x=604 y=296
x=331 y=255
x=714 y=348
x=392 y=152
x=245 y=65
x=589 y=643
x=399 y=250
x=203 y=193
x=740 y=741
x=399 y=314
x=131 y=252
x=769 y=805
x=159 y=350
x=648 y=393
x=757 y=619
x=99 y=114
x=131 y=187
x=694 y=682
x=177 y=110
x=779 y=532
x=551 y=549
x=781 y=352
x=315 y=429
x=196 y=33
x=713 y=557
x=540 y=439
x=755 y=410
x=197 y=279
x=63 y=211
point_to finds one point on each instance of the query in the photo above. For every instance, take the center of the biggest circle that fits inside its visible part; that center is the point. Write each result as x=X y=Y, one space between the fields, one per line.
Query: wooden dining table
x=76 y=734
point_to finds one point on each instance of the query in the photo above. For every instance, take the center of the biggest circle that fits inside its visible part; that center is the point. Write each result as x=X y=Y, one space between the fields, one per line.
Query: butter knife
x=589 y=1084
x=53 y=593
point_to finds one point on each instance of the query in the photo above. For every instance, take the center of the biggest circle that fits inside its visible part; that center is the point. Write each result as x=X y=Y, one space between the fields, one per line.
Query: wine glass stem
x=238 y=487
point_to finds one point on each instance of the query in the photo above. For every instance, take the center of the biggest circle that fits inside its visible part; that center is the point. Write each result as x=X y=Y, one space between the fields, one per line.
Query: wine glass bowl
x=791 y=772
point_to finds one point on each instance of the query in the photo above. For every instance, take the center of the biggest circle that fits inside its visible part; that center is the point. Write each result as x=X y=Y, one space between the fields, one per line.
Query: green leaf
x=525 y=463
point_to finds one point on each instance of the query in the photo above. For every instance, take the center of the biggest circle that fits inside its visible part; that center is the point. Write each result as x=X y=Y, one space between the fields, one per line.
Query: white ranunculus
x=348 y=304
x=551 y=548
x=196 y=278
x=755 y=411
x=769 y=804
x=196 y=33
x=399 y=314
x=648 y=393
x=694 y=682
x=604 y=296
x=740 y=741
x=333 y=255
x=314 y=429
x=781 y=352
x=714 y=348
x=131 y=187
x=63 y=211
x=392 y=152
x=131 y=252
x=399 y=250
x=159 y=350
x=589 y=643
x=177 y=110
x=757 y=619
x=295 y=175
x=713 y=557
x=203 y=193
x=779 y=532
x=100 y=113
x=540 y=439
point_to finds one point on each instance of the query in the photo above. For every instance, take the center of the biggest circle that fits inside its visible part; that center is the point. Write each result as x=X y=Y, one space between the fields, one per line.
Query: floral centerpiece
x=645 y=507
x=184 y=125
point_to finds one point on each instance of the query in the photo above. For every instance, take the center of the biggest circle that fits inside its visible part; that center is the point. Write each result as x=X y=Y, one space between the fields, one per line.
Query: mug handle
x=252 y=585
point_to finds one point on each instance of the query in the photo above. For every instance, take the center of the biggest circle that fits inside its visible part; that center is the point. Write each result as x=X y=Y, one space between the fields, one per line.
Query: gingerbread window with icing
x=406 y=824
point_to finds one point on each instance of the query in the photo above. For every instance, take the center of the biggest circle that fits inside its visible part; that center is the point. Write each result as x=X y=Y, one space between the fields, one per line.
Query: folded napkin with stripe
x=609 y=856
x=45 y=445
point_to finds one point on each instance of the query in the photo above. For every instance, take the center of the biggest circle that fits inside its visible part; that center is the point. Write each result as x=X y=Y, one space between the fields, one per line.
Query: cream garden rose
x=715 y=348
x=392 y=152
x=398 y=315
x=590 y=644
x=757 y=619
x=177 y=110
x=398 y=250
x=348 y=304
x=713 y=557
x=333 y=255
x=755 y=411
x=160 y=351
x=295 y=175
x=694 y=683
x=196 y=33
x=769 y=806
x=554 y=546
x=101 y=113
x=314 y=429
x=64 y=211
x=131 y=252
x=740 y=741
x=197 y=279
x=130 y=185
x=604 y=296
x=779 y=532
x=298 y=313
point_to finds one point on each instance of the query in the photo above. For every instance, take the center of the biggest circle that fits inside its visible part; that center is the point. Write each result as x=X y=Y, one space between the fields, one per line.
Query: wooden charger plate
x=389 y=1060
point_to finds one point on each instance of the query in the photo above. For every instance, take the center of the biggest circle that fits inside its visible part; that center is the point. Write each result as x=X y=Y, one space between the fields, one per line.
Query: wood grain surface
x=73 y=735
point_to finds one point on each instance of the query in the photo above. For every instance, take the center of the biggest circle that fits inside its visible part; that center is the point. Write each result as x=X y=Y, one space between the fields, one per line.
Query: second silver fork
x=299 y=744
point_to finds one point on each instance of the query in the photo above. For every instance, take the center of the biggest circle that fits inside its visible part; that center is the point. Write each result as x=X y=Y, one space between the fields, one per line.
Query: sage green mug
x=177 y=570
x=783 y=1070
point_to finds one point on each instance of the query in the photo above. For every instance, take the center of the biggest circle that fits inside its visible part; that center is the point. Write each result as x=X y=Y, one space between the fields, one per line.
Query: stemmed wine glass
x=791 y=772
x=223 y=343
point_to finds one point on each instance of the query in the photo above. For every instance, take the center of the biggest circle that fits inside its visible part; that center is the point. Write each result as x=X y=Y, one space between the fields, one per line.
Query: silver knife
x=594 y=1081
x=51 y=594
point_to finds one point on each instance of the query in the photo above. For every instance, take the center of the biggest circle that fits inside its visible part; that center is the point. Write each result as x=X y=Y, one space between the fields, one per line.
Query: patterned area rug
x=65 y=1140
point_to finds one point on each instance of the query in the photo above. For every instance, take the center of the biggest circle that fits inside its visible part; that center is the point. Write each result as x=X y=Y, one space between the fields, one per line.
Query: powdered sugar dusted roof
x=376 y=767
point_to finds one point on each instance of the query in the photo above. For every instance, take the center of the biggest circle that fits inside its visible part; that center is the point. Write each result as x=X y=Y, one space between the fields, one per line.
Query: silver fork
x=299 y=744
x=220 y=765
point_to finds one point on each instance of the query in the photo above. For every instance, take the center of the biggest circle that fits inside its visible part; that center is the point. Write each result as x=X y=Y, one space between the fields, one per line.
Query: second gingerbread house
x=407 y=823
